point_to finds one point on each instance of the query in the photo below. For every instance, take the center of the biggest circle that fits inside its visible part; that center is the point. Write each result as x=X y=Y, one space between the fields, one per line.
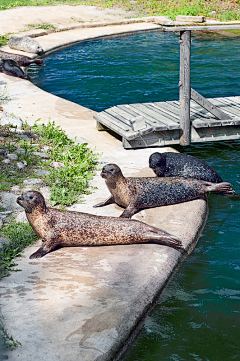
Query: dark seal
x=137 y=193
x=65 y=228
x=21 y=60
x=10 y=67
x=171 y=164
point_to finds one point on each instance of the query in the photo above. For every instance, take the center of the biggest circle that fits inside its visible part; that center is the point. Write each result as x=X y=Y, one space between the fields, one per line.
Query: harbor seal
x=171 y=164
x=67 y=228
x=25 y=43
x=21 y=60
x=10 y=67
x=138 y=193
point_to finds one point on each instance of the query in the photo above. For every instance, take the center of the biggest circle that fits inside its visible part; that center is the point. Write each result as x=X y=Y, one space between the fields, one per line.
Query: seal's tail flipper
x=39 y=62
x=223 y=188
x=166 y=239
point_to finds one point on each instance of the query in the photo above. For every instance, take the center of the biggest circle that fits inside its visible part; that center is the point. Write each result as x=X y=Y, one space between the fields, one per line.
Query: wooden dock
x=191 y=119
x=158 y=124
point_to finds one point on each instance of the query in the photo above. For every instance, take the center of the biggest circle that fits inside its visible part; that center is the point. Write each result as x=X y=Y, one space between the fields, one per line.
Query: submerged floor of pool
x=199 y=317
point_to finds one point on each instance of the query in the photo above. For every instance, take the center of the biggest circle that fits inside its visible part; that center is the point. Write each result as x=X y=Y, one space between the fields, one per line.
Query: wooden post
x=184 y=86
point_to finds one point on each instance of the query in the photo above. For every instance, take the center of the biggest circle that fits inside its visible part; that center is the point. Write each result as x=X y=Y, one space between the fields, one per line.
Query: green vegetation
x=20 y=235
x=4 y=39
x=44 y=26
x=6 y=341
x=225 y=10
x=77 y=163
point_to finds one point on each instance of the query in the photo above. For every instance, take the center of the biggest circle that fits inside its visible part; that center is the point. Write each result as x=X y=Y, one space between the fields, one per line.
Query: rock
x=9 y=201
x=16 y=122
x=3 y=152
x=1 y=223
x=12 y=156
x=15 y=188
x=4 y=241
x=41 y=155
x=21 y=165
x=20 y=151
x=212 y=13
x=5 y=214
x=42 y=172
x=6 y=161
x=57 y=164
x=191 y=19
x=21 y=217
x=33 y=181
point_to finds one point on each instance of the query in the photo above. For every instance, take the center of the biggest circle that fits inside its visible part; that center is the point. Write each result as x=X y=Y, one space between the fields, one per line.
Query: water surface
x=199 y=317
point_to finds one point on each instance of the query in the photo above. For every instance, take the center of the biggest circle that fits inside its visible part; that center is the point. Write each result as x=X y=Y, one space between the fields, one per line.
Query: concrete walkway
x=83 y=304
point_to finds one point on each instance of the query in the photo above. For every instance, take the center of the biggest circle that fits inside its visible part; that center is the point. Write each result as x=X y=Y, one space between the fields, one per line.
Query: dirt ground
x=18 y=19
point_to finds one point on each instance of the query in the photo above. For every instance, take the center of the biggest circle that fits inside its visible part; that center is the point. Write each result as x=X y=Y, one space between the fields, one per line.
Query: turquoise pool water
x=199 y=317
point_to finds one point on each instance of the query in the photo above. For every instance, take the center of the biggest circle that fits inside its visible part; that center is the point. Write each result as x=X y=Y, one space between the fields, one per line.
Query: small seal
x=137 y=193
x=171 y=164
x=21 y=60
x=66 y=228
x=10 y=67
x=25 y=43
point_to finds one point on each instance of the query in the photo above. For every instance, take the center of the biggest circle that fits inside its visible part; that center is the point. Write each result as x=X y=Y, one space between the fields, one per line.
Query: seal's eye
x=31 y=197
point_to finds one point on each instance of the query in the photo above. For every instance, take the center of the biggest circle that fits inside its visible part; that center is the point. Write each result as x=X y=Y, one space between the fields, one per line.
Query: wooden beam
x=202 y=27
x=206 y=104
x=184 y=86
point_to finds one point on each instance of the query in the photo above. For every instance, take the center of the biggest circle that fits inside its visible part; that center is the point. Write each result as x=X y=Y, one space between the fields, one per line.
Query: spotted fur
x=171 y=164
x=66 y=228
x=137 y=193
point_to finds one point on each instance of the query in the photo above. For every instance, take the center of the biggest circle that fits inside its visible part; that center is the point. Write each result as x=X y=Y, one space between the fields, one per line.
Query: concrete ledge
x=85 y=303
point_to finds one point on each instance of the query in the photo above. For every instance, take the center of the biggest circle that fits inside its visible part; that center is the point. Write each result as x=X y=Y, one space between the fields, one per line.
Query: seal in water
x=137 y=193
x=171 y=164
x=21 y=60
x=25 y=43
x=66 y=228
x=10 y=67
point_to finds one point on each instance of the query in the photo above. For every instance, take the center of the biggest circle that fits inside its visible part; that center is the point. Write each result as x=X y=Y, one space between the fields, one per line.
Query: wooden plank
x=227 y=108
x=184 y=86
x=234 y=102
x=206 y=104
x=157 y=115
x=157 y=125
x=107 y=120
x=145 y=129
x=170 y=110
x=201 y=27
x=156 y=139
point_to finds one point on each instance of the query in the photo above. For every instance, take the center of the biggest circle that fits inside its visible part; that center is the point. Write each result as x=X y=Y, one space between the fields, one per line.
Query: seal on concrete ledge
x=66 y=228
x=137 y=193
x=171 y=164
x=25 y=43
x=21 y=60
x=10 y=67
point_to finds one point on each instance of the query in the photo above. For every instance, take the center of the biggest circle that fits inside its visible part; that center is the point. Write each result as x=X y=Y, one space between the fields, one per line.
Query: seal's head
x=111 y=172
x=32 y=200
x=157 y=162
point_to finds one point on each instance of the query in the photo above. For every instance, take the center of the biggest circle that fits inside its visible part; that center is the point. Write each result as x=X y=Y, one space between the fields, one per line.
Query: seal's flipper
x=109 y=200
x=223 y=188
x=129 y=211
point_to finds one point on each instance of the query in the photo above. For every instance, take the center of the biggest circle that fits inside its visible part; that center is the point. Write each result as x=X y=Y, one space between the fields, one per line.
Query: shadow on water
x=199 y=316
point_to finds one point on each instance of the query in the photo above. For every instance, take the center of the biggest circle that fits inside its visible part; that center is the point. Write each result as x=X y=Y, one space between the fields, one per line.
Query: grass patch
x=43 y=26
x=76 y=161
x=225 y=10
x=4 y=39
x=77 y=164
x=20 y=236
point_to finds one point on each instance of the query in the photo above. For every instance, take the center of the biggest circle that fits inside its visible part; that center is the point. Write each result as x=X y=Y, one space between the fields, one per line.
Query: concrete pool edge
x=30 y=103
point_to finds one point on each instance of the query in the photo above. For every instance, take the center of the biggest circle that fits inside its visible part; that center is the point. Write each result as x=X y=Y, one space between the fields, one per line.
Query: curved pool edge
x=93 y=309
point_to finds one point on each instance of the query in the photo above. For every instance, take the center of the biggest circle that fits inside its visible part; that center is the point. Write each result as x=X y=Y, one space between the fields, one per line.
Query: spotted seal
x=25 y=43
x=67 y=228
x=10 y=67
x=137 y=193
x=171 y=164
x=21 y=60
